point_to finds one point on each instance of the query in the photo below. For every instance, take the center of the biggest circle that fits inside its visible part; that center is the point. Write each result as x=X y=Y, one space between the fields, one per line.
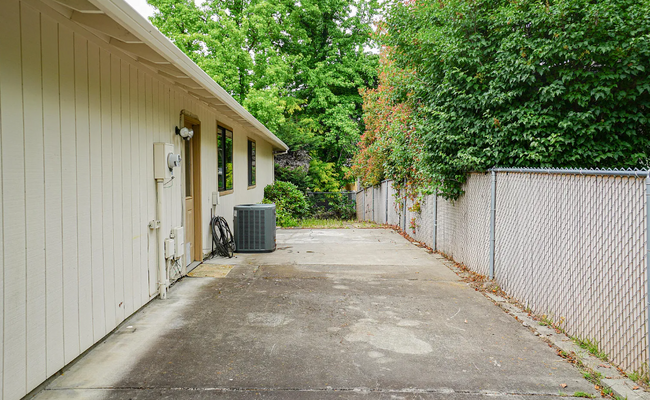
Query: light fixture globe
x=185 y=133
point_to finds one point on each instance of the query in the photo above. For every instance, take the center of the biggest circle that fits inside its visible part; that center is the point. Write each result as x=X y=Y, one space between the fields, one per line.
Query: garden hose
x=223 y=242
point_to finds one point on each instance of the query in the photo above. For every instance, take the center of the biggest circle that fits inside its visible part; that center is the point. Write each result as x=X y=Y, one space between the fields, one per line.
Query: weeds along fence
x=571 y=244
x=332 y=204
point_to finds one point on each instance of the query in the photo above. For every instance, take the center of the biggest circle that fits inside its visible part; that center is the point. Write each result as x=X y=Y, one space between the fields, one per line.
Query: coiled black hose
x=223 y=242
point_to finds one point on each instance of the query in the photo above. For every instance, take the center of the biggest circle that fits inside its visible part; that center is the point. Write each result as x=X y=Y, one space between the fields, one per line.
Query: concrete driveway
x=331 y=314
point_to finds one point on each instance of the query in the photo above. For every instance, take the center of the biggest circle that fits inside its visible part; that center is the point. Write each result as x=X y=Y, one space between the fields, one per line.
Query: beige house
x=88 y=90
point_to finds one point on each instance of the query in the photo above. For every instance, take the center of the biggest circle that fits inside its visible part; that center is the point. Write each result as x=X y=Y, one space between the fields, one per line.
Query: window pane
x=188 y=169
x=228 y=159
x=251 y=163
x=220 y=158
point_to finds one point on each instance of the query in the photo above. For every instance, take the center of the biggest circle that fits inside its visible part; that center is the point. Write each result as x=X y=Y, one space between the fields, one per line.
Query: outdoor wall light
x=185 y=133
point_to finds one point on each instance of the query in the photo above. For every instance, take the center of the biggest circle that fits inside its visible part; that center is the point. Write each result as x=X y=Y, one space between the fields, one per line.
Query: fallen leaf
x=564 y=385
x=597 y=387
x=635 y=388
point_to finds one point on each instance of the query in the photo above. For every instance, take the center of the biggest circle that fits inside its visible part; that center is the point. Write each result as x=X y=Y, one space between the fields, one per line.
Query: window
x=251 y=163
x=188 y=168
x=224 y=162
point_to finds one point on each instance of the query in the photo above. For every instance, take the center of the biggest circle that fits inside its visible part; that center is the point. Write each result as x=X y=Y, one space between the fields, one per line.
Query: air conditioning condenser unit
x=254 y=228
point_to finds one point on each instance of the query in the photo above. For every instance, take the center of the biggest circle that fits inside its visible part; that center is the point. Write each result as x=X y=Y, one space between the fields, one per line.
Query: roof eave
x=126 y=16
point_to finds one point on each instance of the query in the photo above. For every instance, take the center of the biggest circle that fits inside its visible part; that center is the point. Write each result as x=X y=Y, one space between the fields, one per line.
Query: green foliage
x=592 y=376
x=391 y=146
x=332 y=206
x=323 y=176
x=290 y=202
x=317 y=223
x=640 y=376
x=528 y=83
x=297 y=176
x=283 y=217
x=296 y=66
x=592 y=347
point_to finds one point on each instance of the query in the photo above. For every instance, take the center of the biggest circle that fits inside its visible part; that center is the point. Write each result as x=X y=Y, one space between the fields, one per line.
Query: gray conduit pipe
x=162 y=265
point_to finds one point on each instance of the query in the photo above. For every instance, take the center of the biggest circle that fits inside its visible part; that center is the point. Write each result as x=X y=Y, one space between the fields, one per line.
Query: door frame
x=197 y=246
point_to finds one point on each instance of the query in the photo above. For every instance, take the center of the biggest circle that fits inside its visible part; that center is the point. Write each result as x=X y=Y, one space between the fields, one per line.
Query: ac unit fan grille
x=252 y=229
x=255 y=228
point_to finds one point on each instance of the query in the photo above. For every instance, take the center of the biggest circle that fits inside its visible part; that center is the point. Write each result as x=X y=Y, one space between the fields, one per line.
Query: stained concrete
x=331 y=314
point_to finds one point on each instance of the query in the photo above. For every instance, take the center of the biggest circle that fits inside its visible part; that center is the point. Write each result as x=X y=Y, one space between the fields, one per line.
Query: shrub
x=323 y=176
x=298 y=176
x=290 y=202
x=529 y=83
x=331 y=206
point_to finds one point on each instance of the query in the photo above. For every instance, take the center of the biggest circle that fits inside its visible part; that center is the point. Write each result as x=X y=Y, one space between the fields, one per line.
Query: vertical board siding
x=82 y=126
x=137 y=265
x=107 y=182
x=13 y=203
x=78 y=120
x=151 y=204
x=116 y=190
x=53 y=223
x=96 y=191
x=146 y=159
x=34 y=189
x=125 y=183
x=68 y=195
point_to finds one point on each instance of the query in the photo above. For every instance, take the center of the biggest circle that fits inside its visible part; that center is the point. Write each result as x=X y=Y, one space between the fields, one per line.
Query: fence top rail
x=639 y=173
x=341 y=192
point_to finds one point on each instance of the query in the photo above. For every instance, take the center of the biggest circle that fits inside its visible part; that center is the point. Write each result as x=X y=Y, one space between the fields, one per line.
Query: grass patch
x=593 y=377
x=315 y=223
x=639 y=376
x=591 y=346
x=545 y=320
x=583 y=394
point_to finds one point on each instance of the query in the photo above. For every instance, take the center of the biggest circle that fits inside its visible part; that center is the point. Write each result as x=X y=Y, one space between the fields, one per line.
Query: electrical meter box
x=179 y=242
x=160 y=163
x=169 y=248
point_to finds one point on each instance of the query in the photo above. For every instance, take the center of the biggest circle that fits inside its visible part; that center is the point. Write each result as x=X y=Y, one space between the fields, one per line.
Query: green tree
x=526 y=83
x=236 y=43
x=296 y=66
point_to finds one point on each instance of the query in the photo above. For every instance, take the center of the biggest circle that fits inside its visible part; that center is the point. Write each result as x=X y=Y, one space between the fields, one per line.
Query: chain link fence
x=339 y=205
x=568 y=244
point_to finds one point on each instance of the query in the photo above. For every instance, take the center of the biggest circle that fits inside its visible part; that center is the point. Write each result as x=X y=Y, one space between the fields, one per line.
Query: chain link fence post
x=373 y=204
x=404 y=208
x=647 y=260
x=387 y=186
x=435 y=220
x=364 y=205
x=493 y=221
x=404 y=211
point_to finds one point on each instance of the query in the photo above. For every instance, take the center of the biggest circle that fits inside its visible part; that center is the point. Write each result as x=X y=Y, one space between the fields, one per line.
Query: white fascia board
x=126 y=16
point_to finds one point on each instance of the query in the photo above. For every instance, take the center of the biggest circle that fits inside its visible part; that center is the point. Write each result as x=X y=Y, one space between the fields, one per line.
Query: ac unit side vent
x=255 y=227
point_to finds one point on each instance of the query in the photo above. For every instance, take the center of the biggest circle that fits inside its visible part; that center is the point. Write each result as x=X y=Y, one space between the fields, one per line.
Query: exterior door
x=189 y=198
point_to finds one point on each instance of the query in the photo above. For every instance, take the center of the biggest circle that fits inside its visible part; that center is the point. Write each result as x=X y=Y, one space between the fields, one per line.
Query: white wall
x=78 y=120
x=241 y=193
